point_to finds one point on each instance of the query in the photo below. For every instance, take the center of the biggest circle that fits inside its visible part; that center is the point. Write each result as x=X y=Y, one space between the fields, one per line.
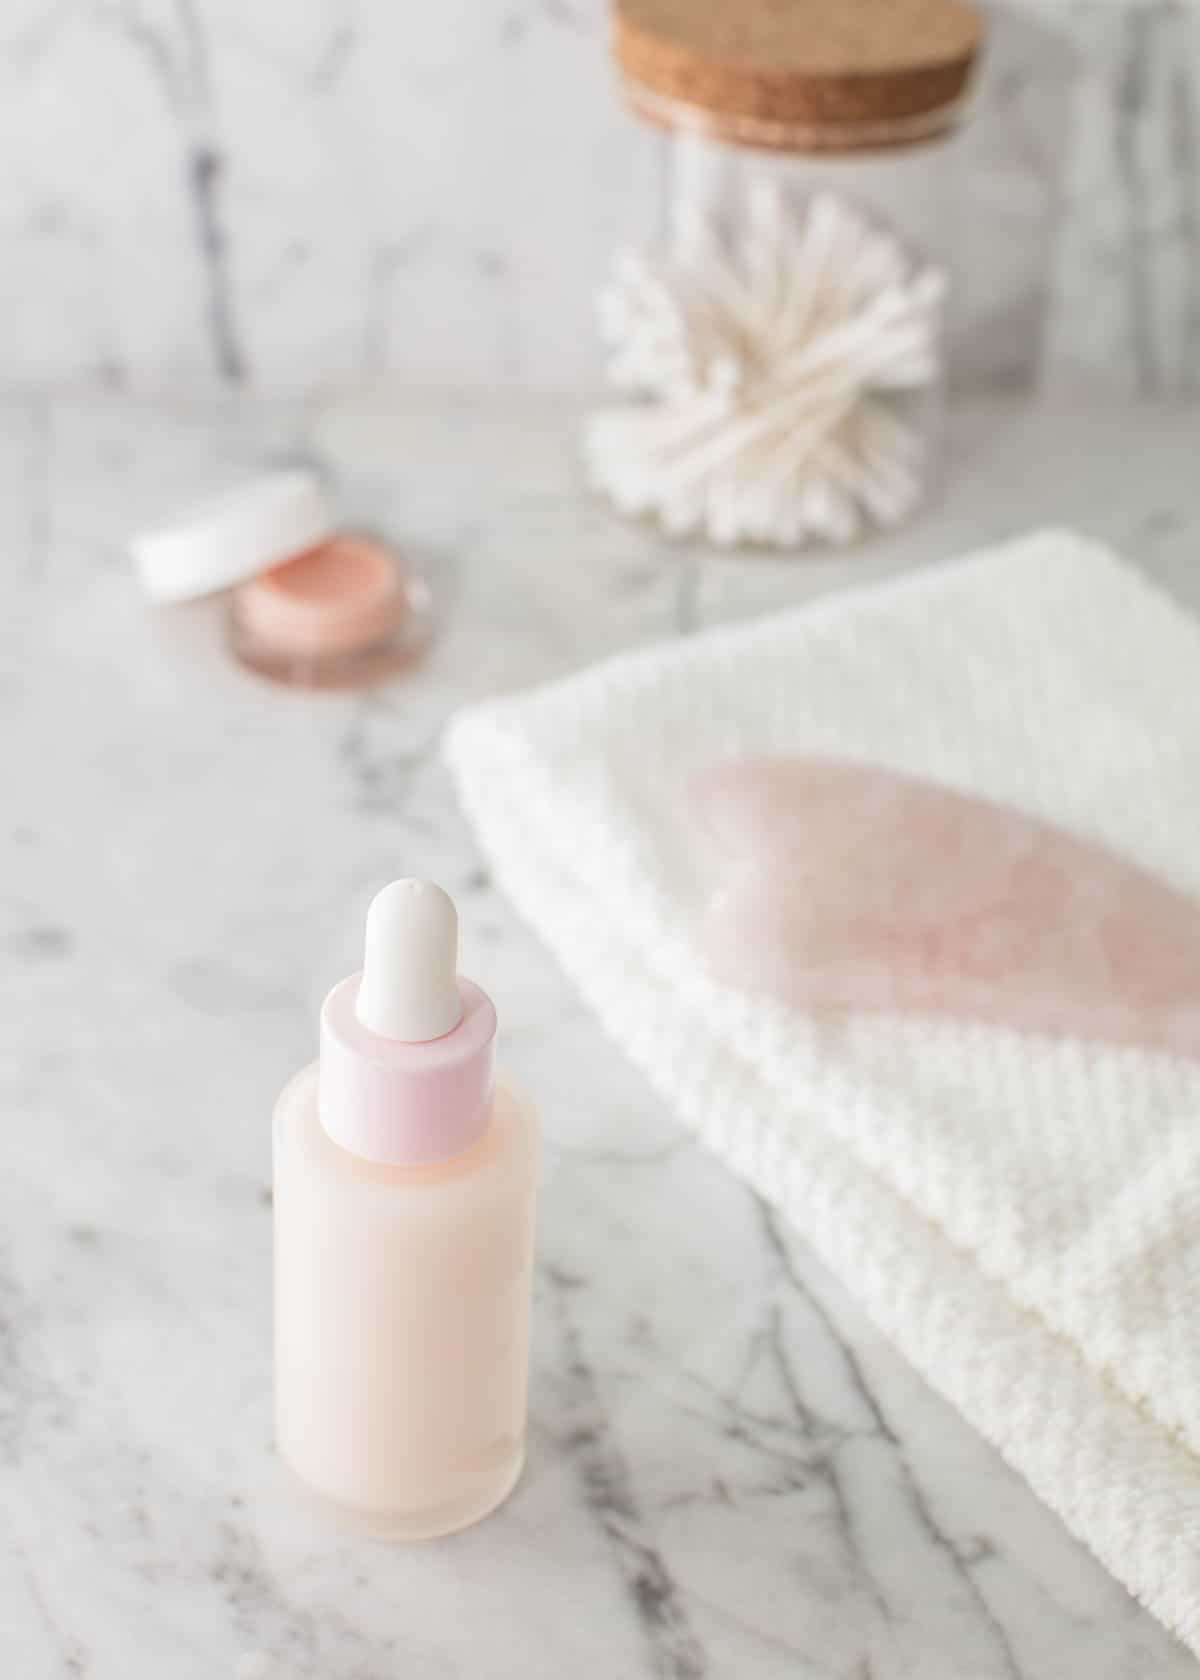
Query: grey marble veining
x=201 y=194
x=1125 y=309
x=731 y=1476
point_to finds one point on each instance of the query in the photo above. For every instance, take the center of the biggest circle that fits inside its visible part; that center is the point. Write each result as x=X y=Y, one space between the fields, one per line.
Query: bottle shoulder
x=509 y=1145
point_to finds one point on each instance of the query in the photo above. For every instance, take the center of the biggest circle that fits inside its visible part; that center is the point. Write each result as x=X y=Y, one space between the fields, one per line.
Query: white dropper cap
x=407 y=1046
x=409 y=988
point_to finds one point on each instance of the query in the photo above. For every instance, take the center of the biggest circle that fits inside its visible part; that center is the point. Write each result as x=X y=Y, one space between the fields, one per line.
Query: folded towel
x=1018 y=1210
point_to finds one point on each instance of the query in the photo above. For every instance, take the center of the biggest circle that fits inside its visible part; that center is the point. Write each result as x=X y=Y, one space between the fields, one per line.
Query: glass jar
x=781 y=346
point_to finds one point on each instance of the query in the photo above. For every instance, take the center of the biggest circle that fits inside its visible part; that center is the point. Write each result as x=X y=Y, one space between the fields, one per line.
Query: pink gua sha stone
x=849 y=888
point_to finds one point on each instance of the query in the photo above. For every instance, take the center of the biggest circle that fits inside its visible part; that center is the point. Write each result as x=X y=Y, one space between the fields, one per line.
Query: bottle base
x=429 y=1523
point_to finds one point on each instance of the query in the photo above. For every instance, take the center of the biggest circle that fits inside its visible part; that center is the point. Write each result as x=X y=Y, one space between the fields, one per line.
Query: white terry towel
x=1020 y=1213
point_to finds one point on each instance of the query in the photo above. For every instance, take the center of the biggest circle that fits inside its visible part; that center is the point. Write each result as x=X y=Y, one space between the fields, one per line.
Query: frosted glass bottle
x=404 y=1216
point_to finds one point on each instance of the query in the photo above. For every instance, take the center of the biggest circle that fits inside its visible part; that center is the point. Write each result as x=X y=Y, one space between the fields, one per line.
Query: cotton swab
x=775 y=380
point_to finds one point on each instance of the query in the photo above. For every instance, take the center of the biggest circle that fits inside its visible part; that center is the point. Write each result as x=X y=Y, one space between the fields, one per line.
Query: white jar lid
x=234 y=536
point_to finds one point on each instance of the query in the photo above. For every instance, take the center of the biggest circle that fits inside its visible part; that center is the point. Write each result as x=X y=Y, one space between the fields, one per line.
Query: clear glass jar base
x=493 y=1487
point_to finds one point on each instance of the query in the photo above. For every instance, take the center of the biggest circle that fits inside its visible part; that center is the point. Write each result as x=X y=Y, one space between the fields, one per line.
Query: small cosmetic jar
x=309 y=605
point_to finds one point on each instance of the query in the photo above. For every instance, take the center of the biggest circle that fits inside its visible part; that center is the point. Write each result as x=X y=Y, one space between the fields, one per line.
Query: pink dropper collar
x=406 y=1104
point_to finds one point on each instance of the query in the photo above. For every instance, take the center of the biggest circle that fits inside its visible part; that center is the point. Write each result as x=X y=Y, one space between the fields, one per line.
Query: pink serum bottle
x=405 y=1178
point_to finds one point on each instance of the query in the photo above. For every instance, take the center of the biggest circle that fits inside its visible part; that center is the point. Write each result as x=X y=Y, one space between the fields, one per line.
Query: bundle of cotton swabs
x=769 y=375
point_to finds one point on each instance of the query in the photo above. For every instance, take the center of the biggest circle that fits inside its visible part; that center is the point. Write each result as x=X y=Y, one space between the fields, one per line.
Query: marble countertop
x=731 y=1476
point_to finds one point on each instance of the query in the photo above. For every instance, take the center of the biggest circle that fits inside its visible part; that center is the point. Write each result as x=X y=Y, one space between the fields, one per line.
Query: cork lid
x=799 y=75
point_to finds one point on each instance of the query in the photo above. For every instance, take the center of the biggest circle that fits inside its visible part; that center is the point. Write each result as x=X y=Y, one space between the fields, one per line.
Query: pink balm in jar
x=309 y=605
x=343 y=613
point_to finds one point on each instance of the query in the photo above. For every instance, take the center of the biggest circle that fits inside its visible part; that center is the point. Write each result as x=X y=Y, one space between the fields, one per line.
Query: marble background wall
x=288 y=193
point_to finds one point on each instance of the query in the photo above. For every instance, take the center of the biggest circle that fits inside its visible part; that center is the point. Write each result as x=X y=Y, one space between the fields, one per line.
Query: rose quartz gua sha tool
x=844 y=887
